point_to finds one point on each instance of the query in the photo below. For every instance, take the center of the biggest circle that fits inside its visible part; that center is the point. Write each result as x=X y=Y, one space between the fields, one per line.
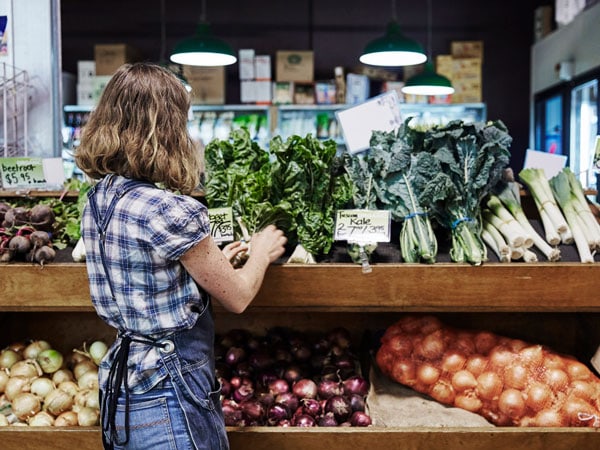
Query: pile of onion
x=289 y=378
x=40 y=387
x=507 y=381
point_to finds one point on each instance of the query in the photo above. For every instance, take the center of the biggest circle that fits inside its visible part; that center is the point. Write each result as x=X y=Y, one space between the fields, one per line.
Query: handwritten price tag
x=22 y=172
x=362 y=225
x=221 y=224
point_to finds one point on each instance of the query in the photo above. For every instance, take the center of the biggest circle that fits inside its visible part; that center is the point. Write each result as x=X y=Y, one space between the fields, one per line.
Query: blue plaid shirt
x=150 y=230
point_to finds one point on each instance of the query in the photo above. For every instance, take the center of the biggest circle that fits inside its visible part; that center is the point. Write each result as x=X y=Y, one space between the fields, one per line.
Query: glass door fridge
x=566 y=122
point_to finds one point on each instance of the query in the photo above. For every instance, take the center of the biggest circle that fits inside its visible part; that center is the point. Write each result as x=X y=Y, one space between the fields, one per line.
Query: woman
x=152 y=266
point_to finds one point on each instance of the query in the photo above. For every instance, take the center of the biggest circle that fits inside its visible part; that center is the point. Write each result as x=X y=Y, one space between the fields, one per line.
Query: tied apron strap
x=117 y=378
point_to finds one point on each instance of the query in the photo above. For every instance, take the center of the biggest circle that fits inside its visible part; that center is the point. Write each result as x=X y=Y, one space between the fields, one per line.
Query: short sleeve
x=176 y=225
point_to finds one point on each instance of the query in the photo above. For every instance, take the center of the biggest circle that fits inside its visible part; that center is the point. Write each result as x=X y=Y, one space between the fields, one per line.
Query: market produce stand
x=555 y=301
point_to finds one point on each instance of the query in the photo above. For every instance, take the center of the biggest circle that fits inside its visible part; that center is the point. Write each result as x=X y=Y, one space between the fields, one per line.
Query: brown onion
x=432 y=346
x=404 y=371
x=427 y=373
x=476 y=364
x=463 y=380
x=549 y=418
x=511 y=403
x=400 y=345
x=489 y=385
x=485 y=341
x=442 y=392
x=576 y=408
x=501 y=357
x=469 y=402
x=582 y=389
x=453 y=361
x=532 y=356
x=556 y=379
x=578 y=371
x=538 y=396
x=516 y=377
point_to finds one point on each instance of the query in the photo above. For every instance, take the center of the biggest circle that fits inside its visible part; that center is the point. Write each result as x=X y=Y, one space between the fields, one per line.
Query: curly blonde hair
x=139 y=130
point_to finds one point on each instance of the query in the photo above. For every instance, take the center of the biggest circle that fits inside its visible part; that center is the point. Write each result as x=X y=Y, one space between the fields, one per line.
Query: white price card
x=380 y=113
x=362 y=225
x=221 y=224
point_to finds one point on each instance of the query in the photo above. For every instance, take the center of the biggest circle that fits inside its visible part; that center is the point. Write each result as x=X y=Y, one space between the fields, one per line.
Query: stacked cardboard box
x=463 y=68
x=255 y=77
x=207 y=83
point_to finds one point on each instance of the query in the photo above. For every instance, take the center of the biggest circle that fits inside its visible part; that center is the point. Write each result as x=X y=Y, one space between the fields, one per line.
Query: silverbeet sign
x=221 y=224
x=362 y=225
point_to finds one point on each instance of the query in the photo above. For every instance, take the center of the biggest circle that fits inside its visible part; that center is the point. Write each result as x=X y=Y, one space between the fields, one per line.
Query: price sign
x=22 y=172
x=221 y=224
x=362 y=225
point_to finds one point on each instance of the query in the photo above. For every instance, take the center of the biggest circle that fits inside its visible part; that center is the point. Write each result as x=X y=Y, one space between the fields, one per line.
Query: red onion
x=357 y=402
x=311 y=407
x=328 y=420
x=304 y=420
x=288 y=399
x=278 y=386
x=360 y=419
x=282 y=354
x=253 y=410
x=356 y=385
x=301 y=352
x=235 y=382
x=234 y=356
x=284 y=423
x=340 y=407
x=293 y=373
x=329 y=388
x=244 y=392
x=232 y=415
x=344 y=361
x=225 y=387
x=266 y=398
x=265 y=378
x=305 y=388
x=276 y=413
x=243 y=370
x=260 y=360
x=340 y=337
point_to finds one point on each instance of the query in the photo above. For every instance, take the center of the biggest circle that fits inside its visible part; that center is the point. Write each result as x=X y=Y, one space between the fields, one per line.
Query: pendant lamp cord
x=203 y=12
x=394 y=12
x=429 y=26
x=163 y=32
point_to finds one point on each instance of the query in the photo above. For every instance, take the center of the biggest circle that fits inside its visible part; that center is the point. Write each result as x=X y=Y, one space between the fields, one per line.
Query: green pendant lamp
x=203 y=48
x=394 y=48
x=428 y=82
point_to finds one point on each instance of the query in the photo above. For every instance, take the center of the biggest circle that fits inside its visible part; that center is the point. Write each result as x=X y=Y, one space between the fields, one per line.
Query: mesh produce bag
x=507 y=381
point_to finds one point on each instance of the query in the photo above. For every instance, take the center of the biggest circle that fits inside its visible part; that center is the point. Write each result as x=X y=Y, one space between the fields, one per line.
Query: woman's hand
x=270 y=240
x=235 y=248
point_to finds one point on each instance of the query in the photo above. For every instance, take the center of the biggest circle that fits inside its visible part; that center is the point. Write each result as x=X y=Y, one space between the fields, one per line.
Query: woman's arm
x=234 y=289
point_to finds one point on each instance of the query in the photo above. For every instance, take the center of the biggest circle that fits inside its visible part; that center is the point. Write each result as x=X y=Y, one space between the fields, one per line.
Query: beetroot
x=15 y=217
x=42 y=217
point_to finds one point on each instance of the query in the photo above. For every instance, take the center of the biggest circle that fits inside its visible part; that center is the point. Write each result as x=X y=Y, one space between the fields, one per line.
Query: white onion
x=27 y=368
x=42 y=386
x=70 y=387
x=25 y=405
x=3 y=380
x=8 y=357
x=81 y=397
x=41 y=419
x=66 y=419
x=89 y=380
x=88 y=417
x=57 y=402
x=97 y=351
x=93 y=399
x=50 y=360
x=82 y=367
x=62 y=375
x=16 y=385
x=32 y=350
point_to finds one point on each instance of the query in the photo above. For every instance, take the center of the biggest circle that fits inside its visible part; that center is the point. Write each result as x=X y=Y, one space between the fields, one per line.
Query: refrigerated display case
x=566 y=122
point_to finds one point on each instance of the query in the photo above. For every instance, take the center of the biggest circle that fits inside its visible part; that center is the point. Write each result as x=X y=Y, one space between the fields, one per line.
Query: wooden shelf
x=441 y=287
x=266 y=438
x=301 y=293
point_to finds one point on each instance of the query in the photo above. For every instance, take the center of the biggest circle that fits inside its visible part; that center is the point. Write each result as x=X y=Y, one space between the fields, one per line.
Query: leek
x=542 y=193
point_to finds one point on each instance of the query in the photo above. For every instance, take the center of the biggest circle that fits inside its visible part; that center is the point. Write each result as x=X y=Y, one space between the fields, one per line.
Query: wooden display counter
x=556 y=303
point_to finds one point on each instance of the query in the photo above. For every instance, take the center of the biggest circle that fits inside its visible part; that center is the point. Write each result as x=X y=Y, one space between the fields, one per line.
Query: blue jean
x=156 y=421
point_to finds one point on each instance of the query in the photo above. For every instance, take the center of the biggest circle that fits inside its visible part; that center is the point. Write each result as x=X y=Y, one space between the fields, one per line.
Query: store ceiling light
x=394 y=48
x=203 y=48
x=428 y=82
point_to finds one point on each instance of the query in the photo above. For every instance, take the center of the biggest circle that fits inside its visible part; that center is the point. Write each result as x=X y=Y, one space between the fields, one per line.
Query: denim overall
x=188 y=359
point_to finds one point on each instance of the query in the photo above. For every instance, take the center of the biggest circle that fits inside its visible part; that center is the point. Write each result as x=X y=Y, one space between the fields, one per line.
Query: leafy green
x=464 y=162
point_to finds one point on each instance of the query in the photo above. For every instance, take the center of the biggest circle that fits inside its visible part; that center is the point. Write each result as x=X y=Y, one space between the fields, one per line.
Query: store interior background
x=336 y=31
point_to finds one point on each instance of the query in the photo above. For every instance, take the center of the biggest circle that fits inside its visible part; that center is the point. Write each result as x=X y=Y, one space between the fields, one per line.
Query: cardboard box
x=98 y=84
x=246 y=65
x=283 y=93
x=295 y=66
x=263 y=92
x=109 y=57
x=85 y=94
x=208 y=84
x=542 y=22
x=467 y=49
x=86 y=70
x=465 y=75
x=357 y=88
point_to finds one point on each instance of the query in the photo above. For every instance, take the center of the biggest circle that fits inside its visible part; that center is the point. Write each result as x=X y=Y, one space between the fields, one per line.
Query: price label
x=362 y=225
x=221 y=224
x=22 y=172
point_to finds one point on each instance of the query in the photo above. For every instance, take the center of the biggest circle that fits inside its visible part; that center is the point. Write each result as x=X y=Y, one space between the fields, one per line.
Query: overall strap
x=102 y=221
